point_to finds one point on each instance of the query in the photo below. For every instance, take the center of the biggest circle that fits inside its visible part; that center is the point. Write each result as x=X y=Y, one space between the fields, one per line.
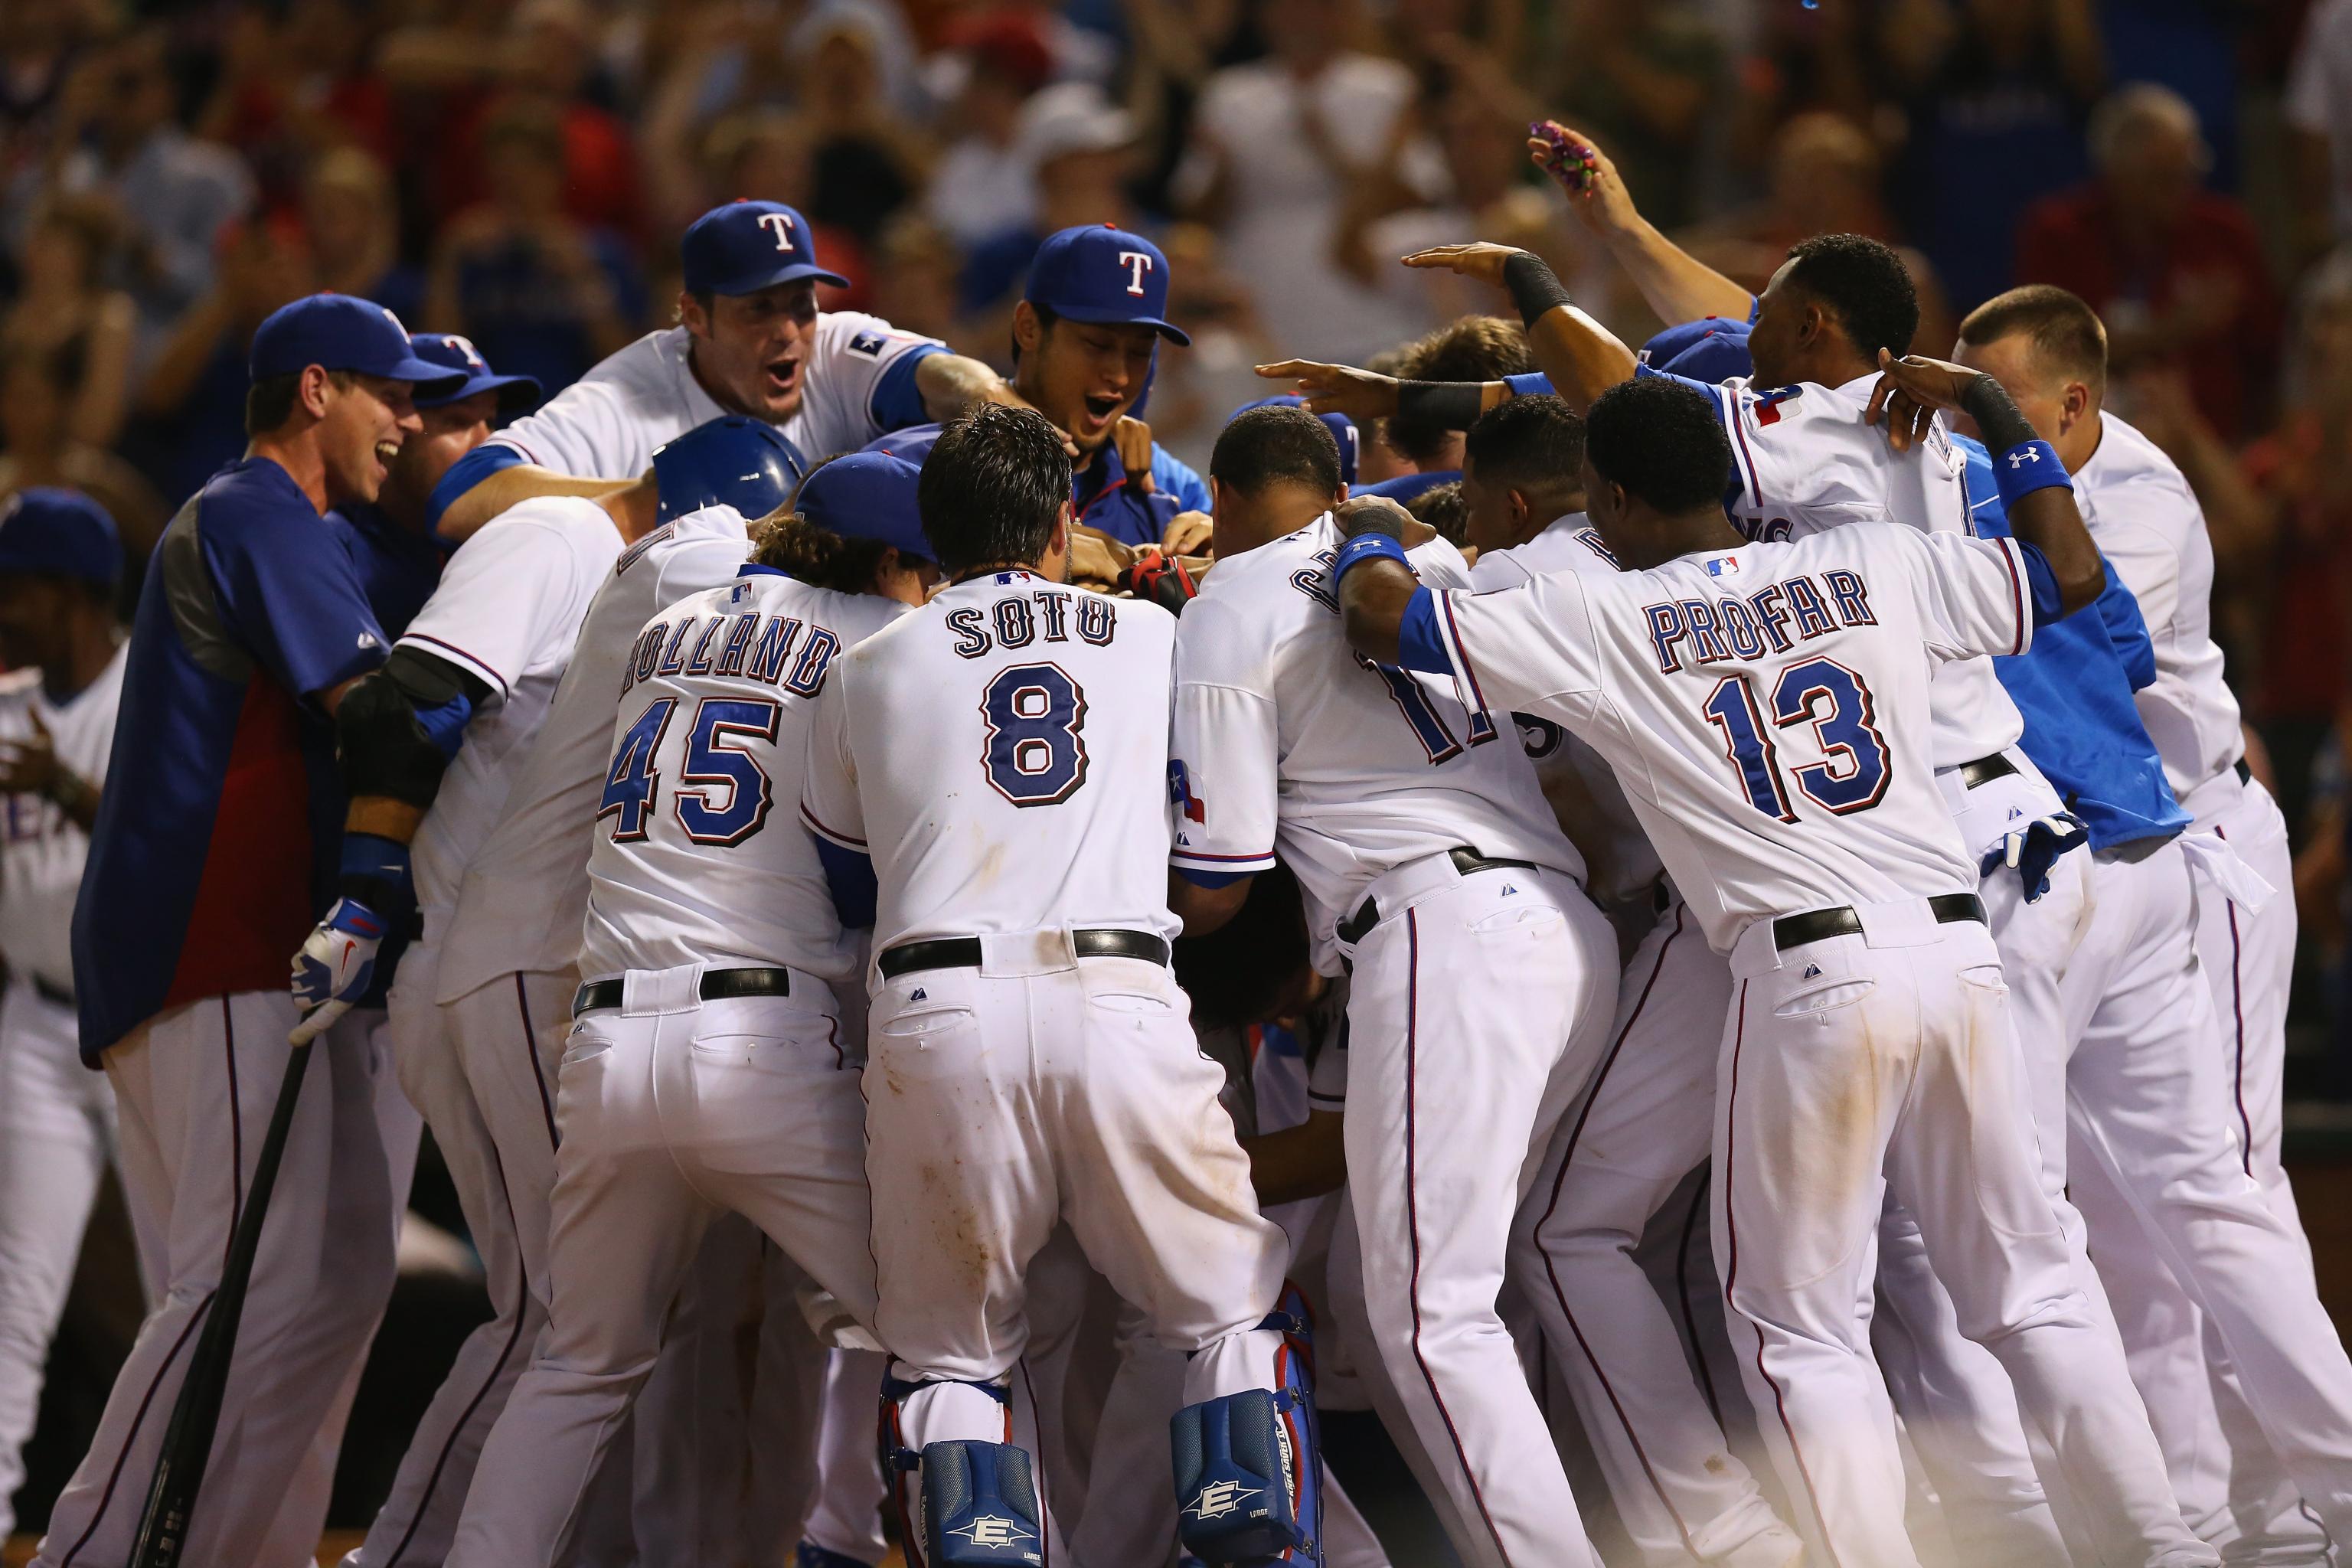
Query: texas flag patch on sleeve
x=869 y=344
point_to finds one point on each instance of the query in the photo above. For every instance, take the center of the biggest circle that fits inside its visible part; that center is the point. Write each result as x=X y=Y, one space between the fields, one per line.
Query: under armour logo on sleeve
x=1137 y=263
x=780 y=225
x=2023 y=456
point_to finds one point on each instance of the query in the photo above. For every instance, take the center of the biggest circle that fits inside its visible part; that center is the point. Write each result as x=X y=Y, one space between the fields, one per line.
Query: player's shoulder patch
x=1769 y=402
x=869 y=343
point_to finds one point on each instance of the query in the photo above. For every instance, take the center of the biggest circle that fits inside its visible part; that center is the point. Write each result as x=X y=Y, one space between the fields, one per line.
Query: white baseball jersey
x=1590 y=804
x=714 y=715
x=606 y=424
x=507 y=609
x=40 y=867
x=1802 y=460
x=1286 y=739
x=1003 y=754
x=526 y=889
x=1766 y=708
x=2146 y=521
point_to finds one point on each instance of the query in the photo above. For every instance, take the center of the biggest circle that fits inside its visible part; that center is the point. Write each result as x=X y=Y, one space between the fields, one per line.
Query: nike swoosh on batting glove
x=336 y=964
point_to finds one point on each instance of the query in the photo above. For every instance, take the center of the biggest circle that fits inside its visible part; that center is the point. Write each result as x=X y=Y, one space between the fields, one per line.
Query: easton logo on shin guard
x=1247 y=1478
x=980 y=1505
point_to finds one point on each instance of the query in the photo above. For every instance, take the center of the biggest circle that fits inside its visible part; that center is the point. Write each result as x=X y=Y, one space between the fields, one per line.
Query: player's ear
x=1028 y=331
x=315 y=390
x=690 y=311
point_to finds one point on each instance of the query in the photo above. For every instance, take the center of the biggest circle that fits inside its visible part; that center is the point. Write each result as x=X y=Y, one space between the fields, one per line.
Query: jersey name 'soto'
x=1766 y=708
x=1050 y=773
x=714 y=715
x=1286 y=739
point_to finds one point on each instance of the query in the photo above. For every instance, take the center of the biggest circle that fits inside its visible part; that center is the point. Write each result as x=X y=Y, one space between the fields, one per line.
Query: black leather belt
x=2245 y=773
x=718 y=985
x=964 y=951
x=56 y=994
x=1819 y=925
x=1465 y=859
x=1984 y=770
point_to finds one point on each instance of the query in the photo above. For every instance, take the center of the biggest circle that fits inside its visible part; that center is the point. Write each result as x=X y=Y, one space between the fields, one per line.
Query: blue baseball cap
x=1100 y=272
x=746 y=463
x=47 y=533
x=867 y=495
x=516 y=394
x=745 y=246
x=1711 y=349
x=1343 y=429
x=341 y=332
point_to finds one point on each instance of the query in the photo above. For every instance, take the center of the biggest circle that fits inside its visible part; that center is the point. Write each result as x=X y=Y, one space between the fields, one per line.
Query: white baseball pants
x=1856 y=1066
x=193 y=1089
x=1641 y=1128
x=674 y=1110
x=1479 y=1009
x=2154 y=1120
x=57 y=1133
x=1037 y=1089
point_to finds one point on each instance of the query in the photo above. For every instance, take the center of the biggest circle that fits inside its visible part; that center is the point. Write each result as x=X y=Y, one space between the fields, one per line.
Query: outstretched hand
x=1360 y=394
x=1480 y=259
x=1910 y=392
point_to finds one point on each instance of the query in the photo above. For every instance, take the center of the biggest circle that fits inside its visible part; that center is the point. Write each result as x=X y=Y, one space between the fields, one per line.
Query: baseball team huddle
x=1727 y=951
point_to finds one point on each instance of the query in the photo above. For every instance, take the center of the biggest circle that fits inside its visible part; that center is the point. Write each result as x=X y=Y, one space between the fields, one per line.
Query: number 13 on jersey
x=1851 y=775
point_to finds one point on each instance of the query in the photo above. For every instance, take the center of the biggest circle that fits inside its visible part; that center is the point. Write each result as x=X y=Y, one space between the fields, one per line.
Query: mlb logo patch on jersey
x=870 y=344
x=1723 y=566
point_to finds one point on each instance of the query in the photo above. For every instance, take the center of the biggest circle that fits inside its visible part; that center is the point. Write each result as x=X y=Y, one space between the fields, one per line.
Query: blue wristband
x=1362 y=548
x=377 y=863
x=2027 y=467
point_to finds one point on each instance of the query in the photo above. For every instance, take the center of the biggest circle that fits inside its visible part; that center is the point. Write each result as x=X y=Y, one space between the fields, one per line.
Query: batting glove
x=2032 y=848
x=335 y=966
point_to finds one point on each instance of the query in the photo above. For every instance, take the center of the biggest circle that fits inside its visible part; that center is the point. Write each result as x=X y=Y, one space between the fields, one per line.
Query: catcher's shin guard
x=980 y=1505
x=1249 y=1467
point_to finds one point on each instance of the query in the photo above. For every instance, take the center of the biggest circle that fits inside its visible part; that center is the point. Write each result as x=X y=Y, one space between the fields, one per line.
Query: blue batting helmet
x=746 y=463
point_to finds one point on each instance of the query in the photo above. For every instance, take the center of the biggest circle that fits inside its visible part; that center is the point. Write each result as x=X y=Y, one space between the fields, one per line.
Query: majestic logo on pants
x=988 y=1530
x=1221 y=1500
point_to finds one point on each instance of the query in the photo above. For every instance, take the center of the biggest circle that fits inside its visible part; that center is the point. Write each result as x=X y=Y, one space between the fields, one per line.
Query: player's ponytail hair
x=816 y=555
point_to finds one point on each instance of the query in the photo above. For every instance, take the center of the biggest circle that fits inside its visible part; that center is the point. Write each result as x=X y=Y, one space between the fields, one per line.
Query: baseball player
x=430 y=749
x=2171 y=1125
x=1030 y=1059
x=59 y=560
x=750 y=341
x=251 y=628
x=1424 y=852
x=1086 y=338
x=1763 y=705
x=390 y=539
x=1641 y=1126
x=706 y=1070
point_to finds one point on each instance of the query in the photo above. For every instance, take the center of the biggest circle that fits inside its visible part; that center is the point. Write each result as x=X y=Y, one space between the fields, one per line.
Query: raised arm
x=2034 y=488
x=1581 y=358
x=1678 y=285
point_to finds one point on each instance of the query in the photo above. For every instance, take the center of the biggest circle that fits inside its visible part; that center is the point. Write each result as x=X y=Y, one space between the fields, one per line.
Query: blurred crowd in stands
x=519 y=171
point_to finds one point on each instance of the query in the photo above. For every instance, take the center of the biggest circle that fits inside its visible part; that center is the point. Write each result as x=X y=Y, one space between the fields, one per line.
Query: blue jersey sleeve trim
x=1715 y=393
x=1534 y=384
x=851 y=877
x=1179 y=480
x=897 y=401
x=1420 y=644
x=1214 y=878
x=466 y=473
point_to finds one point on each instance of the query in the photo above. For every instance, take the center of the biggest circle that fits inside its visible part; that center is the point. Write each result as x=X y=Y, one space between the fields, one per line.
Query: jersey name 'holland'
x=1000 y=753
x=1766 y=708
x=687 y=864
x=1284 y=739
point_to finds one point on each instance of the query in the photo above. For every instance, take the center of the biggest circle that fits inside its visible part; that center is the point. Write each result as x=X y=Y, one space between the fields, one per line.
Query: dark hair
x=992 y=487
x=815 y=554
x=1864 y=285
x=1445 y=509
x=1528 y=444
x=1238 y=973
x=2067 y=333
x=1277 y=446
x=1661 y=440
x=1468 y=348
x=269 y=402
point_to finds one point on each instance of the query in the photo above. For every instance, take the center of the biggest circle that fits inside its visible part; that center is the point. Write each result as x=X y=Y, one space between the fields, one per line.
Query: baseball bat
x=188 y=1440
